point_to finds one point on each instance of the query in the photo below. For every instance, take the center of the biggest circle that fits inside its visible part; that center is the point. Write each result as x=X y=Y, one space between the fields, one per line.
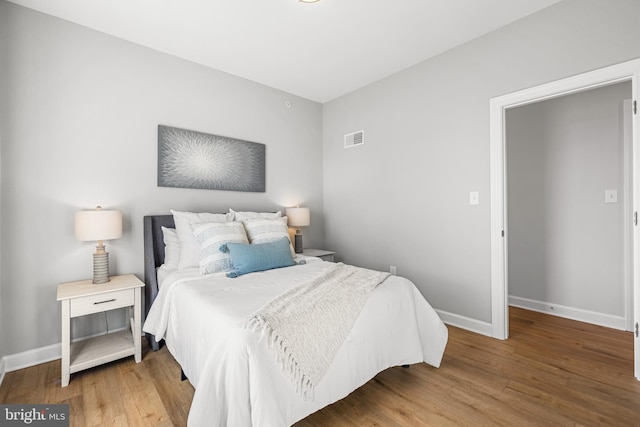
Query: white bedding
x=237 y=380
x=163 y=272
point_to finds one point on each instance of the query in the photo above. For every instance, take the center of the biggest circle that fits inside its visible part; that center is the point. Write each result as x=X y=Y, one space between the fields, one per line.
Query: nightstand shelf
x=82 y=298
x=320 y=253
x=95 y=351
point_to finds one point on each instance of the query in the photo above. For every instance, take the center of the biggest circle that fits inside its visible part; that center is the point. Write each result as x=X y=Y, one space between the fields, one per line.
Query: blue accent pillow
x=248 y=258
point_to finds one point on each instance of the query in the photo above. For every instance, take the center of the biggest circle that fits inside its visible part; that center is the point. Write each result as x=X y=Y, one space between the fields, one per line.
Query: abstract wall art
x=190 y=159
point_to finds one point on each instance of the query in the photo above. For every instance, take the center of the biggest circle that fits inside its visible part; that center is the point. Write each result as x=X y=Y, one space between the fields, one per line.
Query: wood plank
x=176 y=395
x=54 y=392
x=145 y=407
x=6 y=386
x=102 y=398
x=76 y=411
x=551 y=371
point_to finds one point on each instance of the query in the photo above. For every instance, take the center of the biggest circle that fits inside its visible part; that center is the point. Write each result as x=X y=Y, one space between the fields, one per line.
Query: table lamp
x=298 y=217
x=99 y=225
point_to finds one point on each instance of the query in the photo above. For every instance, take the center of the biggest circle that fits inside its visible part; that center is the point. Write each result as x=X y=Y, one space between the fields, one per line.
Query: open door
x=627 y=71
x=630 y=128
x=631 y=110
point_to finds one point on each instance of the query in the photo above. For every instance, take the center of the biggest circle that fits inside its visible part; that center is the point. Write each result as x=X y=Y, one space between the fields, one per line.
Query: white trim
x=2 y=371
x=499 y=290
x=36 y=356
x=463 y=322
x=29 y=358
x=602 y=319
x=609 y=75
x=635 y=148
x=627 y=177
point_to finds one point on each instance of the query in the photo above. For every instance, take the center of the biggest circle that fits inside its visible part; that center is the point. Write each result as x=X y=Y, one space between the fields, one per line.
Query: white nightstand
x=322 y=254
x=82 y=298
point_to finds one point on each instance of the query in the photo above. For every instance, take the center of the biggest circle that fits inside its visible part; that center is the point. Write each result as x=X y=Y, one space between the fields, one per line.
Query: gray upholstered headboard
x=153 y=258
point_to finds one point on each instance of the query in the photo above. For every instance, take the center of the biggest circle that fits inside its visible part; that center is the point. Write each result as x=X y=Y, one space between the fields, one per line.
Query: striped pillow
x=210 y=236
x=265 y=230
x=189 y=250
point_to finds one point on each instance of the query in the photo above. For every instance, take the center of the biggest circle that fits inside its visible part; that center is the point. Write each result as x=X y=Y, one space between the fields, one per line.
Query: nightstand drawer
x=101 y=302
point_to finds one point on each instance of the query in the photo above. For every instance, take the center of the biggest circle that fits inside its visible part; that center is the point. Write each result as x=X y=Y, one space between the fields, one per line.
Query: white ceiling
x=318 y=51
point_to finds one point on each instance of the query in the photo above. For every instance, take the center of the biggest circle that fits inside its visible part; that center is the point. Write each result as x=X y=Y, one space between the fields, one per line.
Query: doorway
x=628 y=71
x=566 y=164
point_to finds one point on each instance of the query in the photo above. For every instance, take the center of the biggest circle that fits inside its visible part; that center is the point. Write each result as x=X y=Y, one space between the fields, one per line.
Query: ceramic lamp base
x=100 y=267
x=297 y=243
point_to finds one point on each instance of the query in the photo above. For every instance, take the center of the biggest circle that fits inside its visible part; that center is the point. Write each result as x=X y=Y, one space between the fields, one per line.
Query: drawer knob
x=102 y=302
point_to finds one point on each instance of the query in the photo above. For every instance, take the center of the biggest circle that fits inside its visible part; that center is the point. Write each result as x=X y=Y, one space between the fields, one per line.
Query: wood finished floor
x=551 y=372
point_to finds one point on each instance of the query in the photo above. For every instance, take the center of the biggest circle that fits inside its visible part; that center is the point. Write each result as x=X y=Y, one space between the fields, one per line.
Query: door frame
x=627 y=71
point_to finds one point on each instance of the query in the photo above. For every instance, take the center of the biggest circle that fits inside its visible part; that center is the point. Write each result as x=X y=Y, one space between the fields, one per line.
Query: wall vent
x=354 y=139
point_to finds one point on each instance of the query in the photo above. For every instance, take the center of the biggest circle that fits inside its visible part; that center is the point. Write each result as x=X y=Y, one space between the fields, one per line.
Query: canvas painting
x=190 y=159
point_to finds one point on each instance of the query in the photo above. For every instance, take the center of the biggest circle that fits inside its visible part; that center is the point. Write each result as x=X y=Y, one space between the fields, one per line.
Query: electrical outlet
x=392 y=269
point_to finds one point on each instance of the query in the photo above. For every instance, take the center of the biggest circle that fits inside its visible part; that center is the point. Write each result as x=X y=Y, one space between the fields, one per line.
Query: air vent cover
x=354 y=139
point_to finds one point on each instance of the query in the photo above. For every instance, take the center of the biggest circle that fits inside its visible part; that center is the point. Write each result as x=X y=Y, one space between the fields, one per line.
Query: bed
x=238 y=379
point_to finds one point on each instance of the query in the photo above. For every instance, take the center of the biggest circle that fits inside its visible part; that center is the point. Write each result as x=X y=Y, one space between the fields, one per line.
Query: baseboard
x=601 y=319
x=29 y=358
x=466 y=323
x=1 y=370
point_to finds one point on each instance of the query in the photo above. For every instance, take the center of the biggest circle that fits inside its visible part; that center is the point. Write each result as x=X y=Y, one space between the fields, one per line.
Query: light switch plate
x=474 y=198
x=611 y=196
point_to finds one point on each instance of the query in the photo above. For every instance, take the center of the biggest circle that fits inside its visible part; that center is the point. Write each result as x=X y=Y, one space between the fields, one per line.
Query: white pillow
x=189 y=248
x=266 y=230
x=241 y=216
x=171 y=247
x=210 y=236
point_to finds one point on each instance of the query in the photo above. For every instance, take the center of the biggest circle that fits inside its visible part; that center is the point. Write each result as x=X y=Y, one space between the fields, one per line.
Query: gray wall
x=565 y=243
x=78 y=117
x=403 y=197
x=78 y=125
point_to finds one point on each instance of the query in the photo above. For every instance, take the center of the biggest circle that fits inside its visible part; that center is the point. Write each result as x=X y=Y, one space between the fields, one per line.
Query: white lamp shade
x=298 y=217
x=98 y=225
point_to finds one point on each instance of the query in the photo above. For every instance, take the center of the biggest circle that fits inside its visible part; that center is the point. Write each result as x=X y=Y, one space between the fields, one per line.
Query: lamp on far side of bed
x=298 y=217
x=99 y=225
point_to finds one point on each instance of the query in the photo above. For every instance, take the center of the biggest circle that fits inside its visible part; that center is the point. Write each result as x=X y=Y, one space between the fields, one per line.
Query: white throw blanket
x=306 y=325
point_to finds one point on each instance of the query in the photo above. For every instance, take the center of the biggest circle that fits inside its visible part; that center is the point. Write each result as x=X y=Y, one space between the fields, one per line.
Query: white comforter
x=237 y=380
